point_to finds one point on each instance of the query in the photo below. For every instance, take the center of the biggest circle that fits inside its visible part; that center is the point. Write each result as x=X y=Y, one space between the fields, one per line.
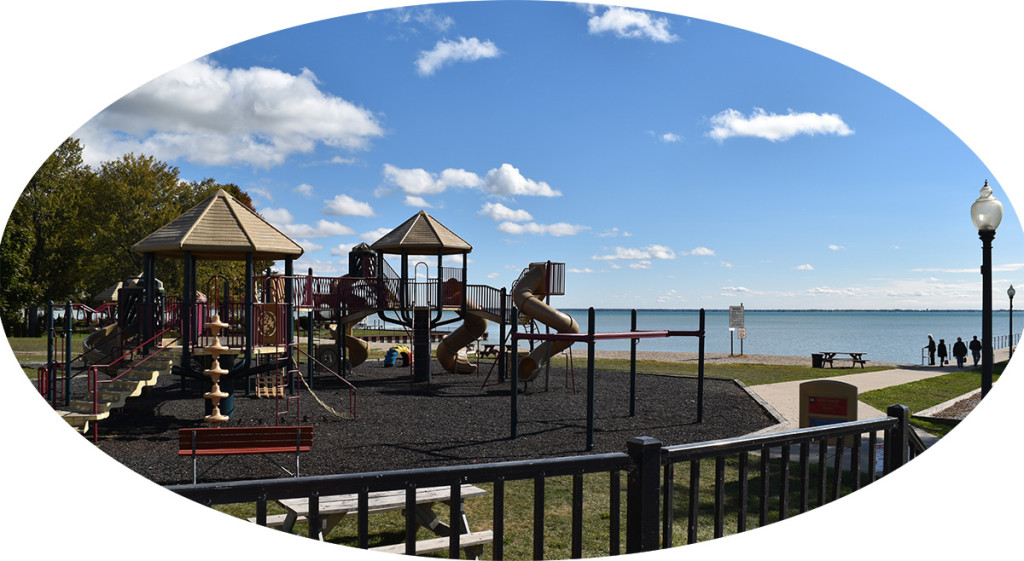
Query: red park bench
x=228 y=441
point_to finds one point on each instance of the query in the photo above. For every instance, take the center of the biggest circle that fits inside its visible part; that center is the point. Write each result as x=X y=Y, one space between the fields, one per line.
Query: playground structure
x=220 y=341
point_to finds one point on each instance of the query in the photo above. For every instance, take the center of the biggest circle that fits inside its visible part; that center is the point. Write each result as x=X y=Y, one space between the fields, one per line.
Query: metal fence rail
x=650 y=490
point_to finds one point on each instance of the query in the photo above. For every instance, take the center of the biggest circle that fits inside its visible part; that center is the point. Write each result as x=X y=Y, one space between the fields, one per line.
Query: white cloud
x=304 y=189
x=806 y=267
x=558 y=230
x=736 y=288
x=638 y=254
x=835 y=247
x=640 y=265
x=277 y=216
x=342 y=250
x=209 y=115
x=702 y=251
x=374 y=235
x=500 y=212
x=414 y=201
x=309 y=246
x=260 y=191
x=670 y=137
x=446 y=52
x=344 y=205
x=506 y=181
x=323 y=229
x=773 y=127
x=631 y=24
x=583 y=271
x=726 y=264
x=613 y=233
x=419 y=181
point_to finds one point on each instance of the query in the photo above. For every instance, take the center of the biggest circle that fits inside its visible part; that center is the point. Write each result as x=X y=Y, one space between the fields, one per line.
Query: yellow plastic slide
x=527 y=295
x=473 y=326
x=358 y=349
x=100 y=343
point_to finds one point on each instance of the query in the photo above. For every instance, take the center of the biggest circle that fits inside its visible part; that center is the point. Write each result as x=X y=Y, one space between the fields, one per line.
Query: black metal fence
x=650 y=510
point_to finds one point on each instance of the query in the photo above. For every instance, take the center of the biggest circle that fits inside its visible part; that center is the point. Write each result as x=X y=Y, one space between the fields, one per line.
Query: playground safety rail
x=649 y=508
x=94 y=381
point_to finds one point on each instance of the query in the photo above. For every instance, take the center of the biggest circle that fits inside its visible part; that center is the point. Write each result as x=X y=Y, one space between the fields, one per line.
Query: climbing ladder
x=270 y=384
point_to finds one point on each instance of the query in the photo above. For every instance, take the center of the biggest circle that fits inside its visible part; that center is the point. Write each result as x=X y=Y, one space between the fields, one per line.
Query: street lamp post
x=1010 y=292
x=986 y=213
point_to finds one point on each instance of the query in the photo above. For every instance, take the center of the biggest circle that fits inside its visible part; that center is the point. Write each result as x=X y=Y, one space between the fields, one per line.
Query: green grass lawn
x=922 y=394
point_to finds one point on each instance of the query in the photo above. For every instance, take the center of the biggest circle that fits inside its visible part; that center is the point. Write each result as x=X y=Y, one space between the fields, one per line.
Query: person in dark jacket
x=931 y=350
x=976 y=349
x=960 y=352
x=941 y=351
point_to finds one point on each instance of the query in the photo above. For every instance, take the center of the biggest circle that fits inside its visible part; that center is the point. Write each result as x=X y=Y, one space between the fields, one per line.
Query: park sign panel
x=736 y=317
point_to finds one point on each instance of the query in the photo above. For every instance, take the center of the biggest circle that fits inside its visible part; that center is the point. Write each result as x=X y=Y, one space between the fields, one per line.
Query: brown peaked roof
x=421 y=235
x=219 y=228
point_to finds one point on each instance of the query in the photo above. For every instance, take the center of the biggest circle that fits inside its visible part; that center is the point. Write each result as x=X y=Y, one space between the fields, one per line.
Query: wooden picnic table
x=855 y=357
x=333 y=508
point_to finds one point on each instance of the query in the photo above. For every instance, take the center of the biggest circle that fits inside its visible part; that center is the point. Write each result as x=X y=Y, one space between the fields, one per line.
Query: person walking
x=941 y=351
x=960 y=352
x=976 y=349
x=931 y=350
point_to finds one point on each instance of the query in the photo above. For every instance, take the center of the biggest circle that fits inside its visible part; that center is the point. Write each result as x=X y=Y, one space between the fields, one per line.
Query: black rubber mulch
x=453 y=420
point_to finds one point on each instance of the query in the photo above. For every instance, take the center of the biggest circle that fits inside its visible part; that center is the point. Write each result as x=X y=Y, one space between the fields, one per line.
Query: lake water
x=888 y=336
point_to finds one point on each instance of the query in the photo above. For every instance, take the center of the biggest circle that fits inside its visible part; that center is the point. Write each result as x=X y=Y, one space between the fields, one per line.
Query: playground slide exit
x=527 y=294
x=472 y=328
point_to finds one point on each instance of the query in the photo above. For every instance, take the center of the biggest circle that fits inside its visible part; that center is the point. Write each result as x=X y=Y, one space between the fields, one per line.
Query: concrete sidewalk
x=784 y=397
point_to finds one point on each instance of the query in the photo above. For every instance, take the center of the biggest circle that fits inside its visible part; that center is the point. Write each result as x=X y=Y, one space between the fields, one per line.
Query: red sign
x=828 y=406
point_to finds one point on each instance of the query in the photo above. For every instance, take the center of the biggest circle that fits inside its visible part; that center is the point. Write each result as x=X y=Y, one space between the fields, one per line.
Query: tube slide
x=524 y=294
x=473 y=326
x=358 y=349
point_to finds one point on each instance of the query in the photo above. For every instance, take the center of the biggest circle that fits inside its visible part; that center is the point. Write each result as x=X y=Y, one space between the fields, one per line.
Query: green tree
x=41 y=247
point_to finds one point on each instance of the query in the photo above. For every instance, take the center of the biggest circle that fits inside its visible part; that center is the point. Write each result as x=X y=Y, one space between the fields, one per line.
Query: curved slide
x=358 y=349
x=524 y=294
x=100 y=343
x=473 y=326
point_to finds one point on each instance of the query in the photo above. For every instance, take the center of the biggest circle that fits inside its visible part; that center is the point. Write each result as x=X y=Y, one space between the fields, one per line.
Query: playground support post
x=289 y=323
x=51 y=372
x=590 y=379
x=309 y=332
x=632 y=365
x=67 y=353
x=700 y=370
x=514 y=377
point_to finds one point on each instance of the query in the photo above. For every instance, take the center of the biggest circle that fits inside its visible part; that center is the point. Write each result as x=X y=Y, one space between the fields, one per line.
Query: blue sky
x=668 y=161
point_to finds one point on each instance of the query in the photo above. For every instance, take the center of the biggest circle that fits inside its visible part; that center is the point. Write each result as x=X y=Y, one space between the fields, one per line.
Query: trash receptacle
x=816 y=360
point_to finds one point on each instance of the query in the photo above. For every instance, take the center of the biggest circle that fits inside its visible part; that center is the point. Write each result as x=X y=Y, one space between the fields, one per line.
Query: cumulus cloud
x=640 y=265
x=835 y=247
x=507 y=181
x=304 y=189
x=631 y=24
x=670 y=137
x=277 y=216
x=414 y=201
x=344 y=205
x=806 y=267
x=499 y=212
x=583 y=271
x=736 y=288
x=774 y=127
x=210 y=115
x=420 y=182
x=445 y=52
x=342 y=250
x=374 y=235
x=322 y=229
x=637 y=254
x=702 y=251
x=557 y=230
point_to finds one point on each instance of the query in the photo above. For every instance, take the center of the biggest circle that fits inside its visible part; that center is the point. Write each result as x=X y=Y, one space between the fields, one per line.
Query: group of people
x=959 y=351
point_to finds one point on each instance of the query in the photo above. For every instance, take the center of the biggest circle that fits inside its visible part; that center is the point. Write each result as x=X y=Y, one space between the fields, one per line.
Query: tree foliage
x=71 y=232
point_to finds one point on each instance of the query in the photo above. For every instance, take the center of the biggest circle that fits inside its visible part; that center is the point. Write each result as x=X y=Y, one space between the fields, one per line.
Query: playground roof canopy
x=219 y=228
x=421 y=235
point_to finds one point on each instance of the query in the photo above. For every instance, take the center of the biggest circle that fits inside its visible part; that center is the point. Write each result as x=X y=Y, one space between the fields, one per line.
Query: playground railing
x=94 y=382
x=650 y=510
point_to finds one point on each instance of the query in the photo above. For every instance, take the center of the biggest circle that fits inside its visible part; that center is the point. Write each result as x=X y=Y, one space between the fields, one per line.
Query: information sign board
x=736 y=316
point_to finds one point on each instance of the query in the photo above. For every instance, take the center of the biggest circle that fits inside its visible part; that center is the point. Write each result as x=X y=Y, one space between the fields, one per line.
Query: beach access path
x=784 y=397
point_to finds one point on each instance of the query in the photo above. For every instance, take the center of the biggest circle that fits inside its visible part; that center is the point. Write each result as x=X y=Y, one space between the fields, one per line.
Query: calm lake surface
x=888 y=336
